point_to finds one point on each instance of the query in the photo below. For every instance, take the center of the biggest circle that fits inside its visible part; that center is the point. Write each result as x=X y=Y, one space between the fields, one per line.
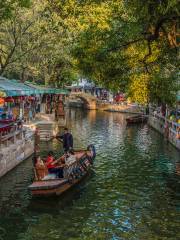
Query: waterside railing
x=10 y=132
x=170 y=129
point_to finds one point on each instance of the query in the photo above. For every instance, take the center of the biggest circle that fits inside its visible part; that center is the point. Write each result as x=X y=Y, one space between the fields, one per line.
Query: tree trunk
x=47 y=79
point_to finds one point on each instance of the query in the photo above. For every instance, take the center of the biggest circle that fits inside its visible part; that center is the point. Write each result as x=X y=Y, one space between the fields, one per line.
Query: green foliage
x=35 y=46
x=138 y=38
x=125 y=45
x=139 y=88
x=7 y=7
x=164 y=86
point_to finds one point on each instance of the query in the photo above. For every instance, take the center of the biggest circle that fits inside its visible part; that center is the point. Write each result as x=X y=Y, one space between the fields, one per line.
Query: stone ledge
x=15 y=153
x=159 y=126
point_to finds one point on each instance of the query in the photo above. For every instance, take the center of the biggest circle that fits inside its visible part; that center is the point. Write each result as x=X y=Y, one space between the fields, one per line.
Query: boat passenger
x=41 y=169
x=67 y=139
x=71 y=157
x=50 y=161
x=51 y=164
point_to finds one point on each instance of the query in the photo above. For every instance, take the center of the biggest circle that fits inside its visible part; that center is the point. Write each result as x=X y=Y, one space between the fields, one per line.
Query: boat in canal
x=73 y=174
x=137 y=119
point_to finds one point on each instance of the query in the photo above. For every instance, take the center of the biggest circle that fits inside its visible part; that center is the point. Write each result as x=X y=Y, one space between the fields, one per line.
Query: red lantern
x=9 y=99
x=1 y=100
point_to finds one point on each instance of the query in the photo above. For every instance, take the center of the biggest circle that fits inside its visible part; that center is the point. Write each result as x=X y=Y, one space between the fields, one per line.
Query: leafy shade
x=126 y=45
x=139 y=90
x=129 y=44
x=7 y=7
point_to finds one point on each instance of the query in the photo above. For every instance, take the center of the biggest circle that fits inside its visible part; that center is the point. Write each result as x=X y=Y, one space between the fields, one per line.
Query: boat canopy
x=17 y=88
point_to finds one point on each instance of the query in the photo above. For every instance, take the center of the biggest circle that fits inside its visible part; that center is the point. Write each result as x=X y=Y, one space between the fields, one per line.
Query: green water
x=133 y=192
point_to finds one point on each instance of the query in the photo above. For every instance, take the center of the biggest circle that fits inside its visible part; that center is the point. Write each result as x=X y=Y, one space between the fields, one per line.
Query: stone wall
x=158 y=123
x=122 y=108
x=15 y=152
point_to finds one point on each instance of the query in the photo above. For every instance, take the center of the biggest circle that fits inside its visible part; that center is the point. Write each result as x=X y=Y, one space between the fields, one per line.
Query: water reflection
x=132 y=194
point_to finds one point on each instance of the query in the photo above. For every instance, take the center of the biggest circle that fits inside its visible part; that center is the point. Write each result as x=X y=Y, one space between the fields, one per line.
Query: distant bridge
x=89 y=100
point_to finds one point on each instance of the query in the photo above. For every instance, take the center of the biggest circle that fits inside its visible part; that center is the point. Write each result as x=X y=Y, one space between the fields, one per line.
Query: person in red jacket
x=50 y=162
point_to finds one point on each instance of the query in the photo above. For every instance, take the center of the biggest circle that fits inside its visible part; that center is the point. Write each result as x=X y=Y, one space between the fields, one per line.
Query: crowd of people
x=170 y=114
x=26 y=107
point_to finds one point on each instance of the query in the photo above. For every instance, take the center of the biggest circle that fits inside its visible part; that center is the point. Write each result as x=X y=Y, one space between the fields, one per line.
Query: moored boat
x=137 y=119
x=73 y=174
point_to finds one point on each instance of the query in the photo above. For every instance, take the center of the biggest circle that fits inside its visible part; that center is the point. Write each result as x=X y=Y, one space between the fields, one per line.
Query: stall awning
x=43 y=89
x=15 y=88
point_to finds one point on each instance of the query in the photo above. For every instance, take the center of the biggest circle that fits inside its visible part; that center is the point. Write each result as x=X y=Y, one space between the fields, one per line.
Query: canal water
x=132 y=193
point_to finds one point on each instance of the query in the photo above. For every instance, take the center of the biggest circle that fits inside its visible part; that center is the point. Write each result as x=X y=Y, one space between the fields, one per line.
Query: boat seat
x=47 y=185
x=50 y=176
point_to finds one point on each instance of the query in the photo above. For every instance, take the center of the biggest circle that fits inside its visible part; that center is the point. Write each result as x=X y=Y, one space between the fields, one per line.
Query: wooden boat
x=73 y=174
x=136 y=119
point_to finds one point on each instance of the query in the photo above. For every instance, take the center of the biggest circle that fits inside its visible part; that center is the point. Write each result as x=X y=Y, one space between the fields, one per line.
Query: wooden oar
x=60 y=140
x=36 y=146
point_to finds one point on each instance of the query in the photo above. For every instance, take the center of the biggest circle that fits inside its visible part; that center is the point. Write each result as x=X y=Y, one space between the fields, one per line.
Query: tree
x=33 y=30
x=139 y=90
x=117 y=44
x=164 y=86
x=140 y=37
x=7 y=7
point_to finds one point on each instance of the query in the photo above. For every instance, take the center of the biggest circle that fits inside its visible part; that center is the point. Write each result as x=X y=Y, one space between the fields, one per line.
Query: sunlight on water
x=132 y=193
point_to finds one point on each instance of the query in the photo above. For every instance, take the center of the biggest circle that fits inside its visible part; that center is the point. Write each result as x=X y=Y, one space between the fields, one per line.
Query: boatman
x=67 y=139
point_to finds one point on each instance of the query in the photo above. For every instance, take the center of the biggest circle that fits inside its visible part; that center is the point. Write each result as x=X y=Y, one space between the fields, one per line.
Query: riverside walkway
x=93 y=103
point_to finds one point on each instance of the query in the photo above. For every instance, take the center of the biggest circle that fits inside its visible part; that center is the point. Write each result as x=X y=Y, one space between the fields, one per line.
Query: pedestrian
x=67 y=139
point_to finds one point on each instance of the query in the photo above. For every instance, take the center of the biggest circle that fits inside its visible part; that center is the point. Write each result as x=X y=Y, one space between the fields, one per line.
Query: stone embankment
x=14 y=149
x=87 y=101
x=19 y=145
x=170 y=130
x=122 y=108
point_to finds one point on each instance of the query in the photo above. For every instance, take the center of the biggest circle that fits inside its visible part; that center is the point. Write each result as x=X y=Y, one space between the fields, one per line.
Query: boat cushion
x=49 y=176
x=49 y=184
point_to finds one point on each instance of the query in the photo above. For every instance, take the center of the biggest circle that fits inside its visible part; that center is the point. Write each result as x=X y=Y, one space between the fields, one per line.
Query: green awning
x=15 y=88
x=48 y=90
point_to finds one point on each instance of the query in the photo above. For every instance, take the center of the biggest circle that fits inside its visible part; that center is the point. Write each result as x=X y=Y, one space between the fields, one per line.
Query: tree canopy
x=7 y=7
x=124 y=45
